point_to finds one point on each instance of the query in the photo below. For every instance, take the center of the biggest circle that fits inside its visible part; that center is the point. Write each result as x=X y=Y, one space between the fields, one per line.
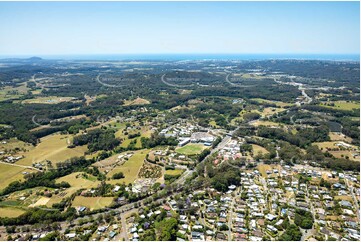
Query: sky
x=66 y=28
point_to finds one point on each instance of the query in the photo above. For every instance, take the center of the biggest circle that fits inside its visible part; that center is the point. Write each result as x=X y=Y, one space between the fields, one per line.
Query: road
x=234 y=84
x=306 y=233
x=173 y=85
x=105 y=84
x=355 y=201
x=299 y=85
x=230 y=221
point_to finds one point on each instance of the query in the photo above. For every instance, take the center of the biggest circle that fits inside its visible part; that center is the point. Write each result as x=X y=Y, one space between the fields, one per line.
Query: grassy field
x=346 y=198
x=339 y=153
x=330 y=144
x=270 y=111
x=137 y=101
x=277 y=103
x=48 y=100
x=213 y=124
x=92 y=202
x=174 y=172
x=15 y=143
x=76 y=181
x=10 y=212
x=42 y=201
x=339 y=137
x=145 y=131
x=8 y=92
x=264 y=123
x=263 y=169
x=259 y=149
x=343 y=154
x=53 y=148
x=9 y=173
x=191 y=149
x=342 y=105
x=130 y=168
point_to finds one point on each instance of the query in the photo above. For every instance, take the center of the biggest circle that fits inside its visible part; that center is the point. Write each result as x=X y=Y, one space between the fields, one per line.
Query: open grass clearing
x=346 y=198
x=263 y=168
x=174 y=172
x=191 y=149
x=277 y=103
x=53 y=148
x=344 y=154
x=9 y=92
x=42 y=201
x=259 y=150
x=48 y=100
x=341 y=105
x=332 y=217
x=10 y=212
x=76 y=181
x=270 y=111
x=137 y=101
x=335 y=136
x=13 y=143
x=92 y=202
x=264 y=123
x=130 y=168
x=331 y=144
x=9 y=174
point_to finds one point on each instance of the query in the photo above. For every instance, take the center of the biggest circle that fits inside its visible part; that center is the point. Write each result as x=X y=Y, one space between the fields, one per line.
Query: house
x=70 y=235
x=271 y=228
x=344 y=203
x=196 y=235
x=112 y=234
x=270 y=217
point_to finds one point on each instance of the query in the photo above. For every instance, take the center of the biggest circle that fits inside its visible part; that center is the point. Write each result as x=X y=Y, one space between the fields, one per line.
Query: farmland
x=53 y=148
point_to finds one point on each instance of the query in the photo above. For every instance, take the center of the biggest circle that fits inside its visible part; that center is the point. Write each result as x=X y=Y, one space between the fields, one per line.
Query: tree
x=118 y=175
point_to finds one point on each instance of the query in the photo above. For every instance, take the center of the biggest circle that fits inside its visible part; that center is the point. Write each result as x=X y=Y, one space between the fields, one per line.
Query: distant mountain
x=34 y=58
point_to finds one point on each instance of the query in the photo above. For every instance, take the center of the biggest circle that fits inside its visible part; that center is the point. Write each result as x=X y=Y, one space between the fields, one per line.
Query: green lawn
x=174 y=172
x=191 y=149
x=342 y=105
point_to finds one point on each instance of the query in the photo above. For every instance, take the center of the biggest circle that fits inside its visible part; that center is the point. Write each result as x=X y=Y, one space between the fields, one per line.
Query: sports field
x=191 y=149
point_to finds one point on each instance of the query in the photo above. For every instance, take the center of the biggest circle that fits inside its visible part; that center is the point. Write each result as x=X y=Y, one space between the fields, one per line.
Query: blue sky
x=50 y=28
